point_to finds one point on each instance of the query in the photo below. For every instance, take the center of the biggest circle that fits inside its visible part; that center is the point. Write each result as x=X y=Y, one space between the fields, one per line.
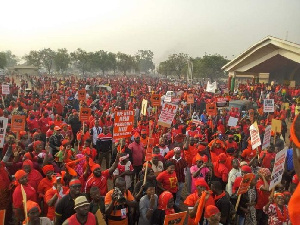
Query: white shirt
x=96 y=132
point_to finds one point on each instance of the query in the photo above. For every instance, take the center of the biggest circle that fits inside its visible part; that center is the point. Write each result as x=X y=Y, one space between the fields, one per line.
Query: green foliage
x=100 y=60
x=12 y=59
x=144 y=59
x=112 y=61
x=3 y=60
x=34 y=58
x=48 y=56
x=176 y=64
x=82 y=60
x=62 y=60
x=125 y=62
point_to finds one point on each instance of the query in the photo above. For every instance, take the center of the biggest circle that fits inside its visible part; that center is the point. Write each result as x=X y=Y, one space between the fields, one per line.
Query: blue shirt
x=289 y=160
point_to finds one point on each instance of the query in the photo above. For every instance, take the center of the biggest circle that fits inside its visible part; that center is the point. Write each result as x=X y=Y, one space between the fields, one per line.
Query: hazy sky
x=227 y=27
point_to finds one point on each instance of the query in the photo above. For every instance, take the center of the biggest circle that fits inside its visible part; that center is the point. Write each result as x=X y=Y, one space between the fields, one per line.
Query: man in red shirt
x=230 y=143
x=266 y=157
x=220 y=170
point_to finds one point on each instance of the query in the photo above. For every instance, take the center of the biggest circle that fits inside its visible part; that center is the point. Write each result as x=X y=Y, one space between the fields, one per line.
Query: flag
x=211 y=87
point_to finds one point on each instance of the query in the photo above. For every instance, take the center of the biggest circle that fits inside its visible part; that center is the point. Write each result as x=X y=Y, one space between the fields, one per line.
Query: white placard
x=5 y=89
x=3 y=126
x=167 y=114
x=278 y=169
x=254 y=134
x=232 y=122
x=267 y=137
x=269 y=105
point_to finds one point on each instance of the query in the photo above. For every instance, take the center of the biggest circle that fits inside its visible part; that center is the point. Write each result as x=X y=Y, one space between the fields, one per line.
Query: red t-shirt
x=168 y=181
x=262 y=196
x=266 y=163
x=100 y=182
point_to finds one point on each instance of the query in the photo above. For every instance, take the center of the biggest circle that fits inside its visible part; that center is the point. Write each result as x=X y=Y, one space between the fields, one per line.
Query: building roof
x=258 y=57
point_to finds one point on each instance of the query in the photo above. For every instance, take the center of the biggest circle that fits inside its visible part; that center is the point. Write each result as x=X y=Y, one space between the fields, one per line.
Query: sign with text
x=3 y=126
x=278 y=169
x=254 y=134
x=17 y=123
x=245 y=183
x=222 y=102
x=85 y=114
x=232 y=122
x=5 y=89
x=149 y=149
x=144 y=107
x=81 y=95
x=123 y=123
x=155 y=100
x=167 y=115
x=267 y=137
x=276 y=126
x=269 y=105
x=175 y=219
x=211 y=109
x=190 y=99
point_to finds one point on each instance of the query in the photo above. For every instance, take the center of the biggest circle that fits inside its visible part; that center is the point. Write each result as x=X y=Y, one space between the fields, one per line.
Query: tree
x=100 y=60
x=34 y=58
x=164 y=68
x=209 y=66
x=62 y=60
x=175 y=65
x=82 y=60
x=112 y=61
x=3 y=60
x=144 y=60
x=48 y=56
x=12 y=59
x=125 y=62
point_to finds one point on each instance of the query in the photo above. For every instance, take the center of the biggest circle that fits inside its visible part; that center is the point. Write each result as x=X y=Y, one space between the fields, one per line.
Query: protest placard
x=269 y=105
x=211 y=109
x=190 y=99
x=254 y=134
x=278 y=168
x=232 y=122
x=245 y=183
x=167 y=114
x=222 y=102
x=5 y=89
x=276 y=126
x=267 y=137
x=149 y=150
x=17 y=123
x=123 y=123
x=175 y=219
x=3 y=126
x=144 y=107
x=155 y=100
x=85 y=114
x=81 y=95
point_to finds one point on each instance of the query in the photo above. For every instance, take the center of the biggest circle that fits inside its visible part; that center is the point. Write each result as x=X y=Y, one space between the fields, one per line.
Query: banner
x=254 y=134
x=81 y=95
x=144 y=107
x=245 y=183
x=85 y=114
x=211 y=109
x=278 y=168
x=167 y=114
x=5 y=89
x=123 y=123
x=17 y=123
x=211 y=87
x=222 y=102
x=155 y=100
x=149 y=150
x=269 y=105
x=190 y=99
x=267 y=137
x=276 y=126
x=3 y=126
x=232 y=122
x=175 y=219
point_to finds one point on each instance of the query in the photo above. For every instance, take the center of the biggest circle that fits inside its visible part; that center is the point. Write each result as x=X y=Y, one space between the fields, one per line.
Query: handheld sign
x=123 y=123
x=211 y=109
x=245 y=183
x=149 y=150
x=17 y=123
x=267 y=137
x=144 y=107
x=81 y=95
x=5 y=89
x=269 y=105
x=254 y=134
x=276 y=125
x=278 y=169
x=232 y=122
x=85 y=114
x=167 y=115
x=190 y=99
x=3 y=126
x=155 y=100
x=175 y=219
x=222 y=102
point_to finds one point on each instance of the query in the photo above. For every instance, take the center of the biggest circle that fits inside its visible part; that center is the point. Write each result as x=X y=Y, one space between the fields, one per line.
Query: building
x=22 y=70
x=271 y=59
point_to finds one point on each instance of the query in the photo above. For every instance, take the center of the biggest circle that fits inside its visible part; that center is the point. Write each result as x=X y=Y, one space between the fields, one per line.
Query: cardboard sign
x=292 y=84
x=190 y=99
x=175 y=219
x=269 y=105
x=17 y=123
x=245 y=183
x=85 y=114
x=254 y=134
x=267 y=137
x=276 y=126
x=222 y=102
x=278 y=169
x=211 y=109
x=5 y=89
x=232 y=122
x=149 y=149
x=167 y=114
x=155 y=100
x=123 y=124
x=144 y=107
x=81 y=95
x=3 y=126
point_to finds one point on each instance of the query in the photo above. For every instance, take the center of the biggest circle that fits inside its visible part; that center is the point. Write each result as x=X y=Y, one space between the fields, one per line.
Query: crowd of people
x=53 y=171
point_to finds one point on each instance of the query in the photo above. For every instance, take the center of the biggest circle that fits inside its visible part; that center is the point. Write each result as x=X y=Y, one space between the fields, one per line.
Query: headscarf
x=19 y=174
x=31 y=204
x=201 y=182
x=210 y=211
x=264 y=172
x=95 y=166
x=163 y=200
x=48 y=168
x=28 y=162
x=123 y=157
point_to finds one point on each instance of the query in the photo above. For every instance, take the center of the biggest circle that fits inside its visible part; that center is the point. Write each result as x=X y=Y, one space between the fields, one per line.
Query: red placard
x=17 y=123
x=85 y=114
x=175 y=219
x=190 y=99
x=81 y=95
x=155 y=100
x=211 y=109
x=222 y=102
x=123 y=124
x=149 y=149
x=245 y=183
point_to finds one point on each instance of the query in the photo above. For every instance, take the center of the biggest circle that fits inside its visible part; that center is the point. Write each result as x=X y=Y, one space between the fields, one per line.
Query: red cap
x=246 y=168
x=210 y=211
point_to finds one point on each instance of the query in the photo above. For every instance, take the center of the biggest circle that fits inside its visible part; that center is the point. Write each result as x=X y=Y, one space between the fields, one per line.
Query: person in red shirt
x=34 y=176
x=230 y=143
x=220 y=170
x=32 y=122
x=216 y=148
x=266 y=157
x=248 y=153
x=44 y=122
x=46 y=183
x=167 y=180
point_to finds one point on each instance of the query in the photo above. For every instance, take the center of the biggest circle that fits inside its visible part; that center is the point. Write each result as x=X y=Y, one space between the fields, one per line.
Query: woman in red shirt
x=167 y=180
